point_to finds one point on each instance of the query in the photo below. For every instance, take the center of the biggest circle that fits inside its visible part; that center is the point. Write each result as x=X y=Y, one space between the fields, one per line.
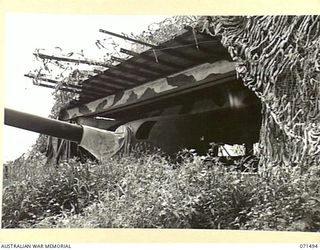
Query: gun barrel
x=43 y=125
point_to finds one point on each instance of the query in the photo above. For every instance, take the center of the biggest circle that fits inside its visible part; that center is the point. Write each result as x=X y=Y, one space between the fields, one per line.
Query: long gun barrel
x=101 y=143
x=43 y=125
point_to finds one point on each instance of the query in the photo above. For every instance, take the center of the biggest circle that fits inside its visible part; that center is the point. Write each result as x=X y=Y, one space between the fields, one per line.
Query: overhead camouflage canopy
x=278 y=58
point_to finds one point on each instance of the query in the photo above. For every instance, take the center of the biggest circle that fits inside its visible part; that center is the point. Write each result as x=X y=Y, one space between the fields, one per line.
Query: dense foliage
x=152 y=192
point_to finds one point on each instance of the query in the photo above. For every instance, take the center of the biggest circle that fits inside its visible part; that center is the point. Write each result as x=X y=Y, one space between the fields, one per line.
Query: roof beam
x=197 y=46
x=151 y=59
x=58 y=88
x=73 y=86
x=174 y=52
x=139 y=71
x=141 y=66
x=53 y=81
x=100 y=88
x=65 y=59
x=164 y=49
x=129 y=52
x=98 y=82
x=114 y=81
x=126 y=38
x=130 y=80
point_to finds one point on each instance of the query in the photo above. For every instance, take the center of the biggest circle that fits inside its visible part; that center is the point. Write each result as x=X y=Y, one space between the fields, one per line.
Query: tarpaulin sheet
x=104 y=144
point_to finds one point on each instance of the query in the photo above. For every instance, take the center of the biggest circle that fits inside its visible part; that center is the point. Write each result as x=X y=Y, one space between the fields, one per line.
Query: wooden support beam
x=154 y=70
x=65 y=59
x=101 y=85
x=71 y=86
x=126 y=38
x=103 y=80
x=98 y=91
x=198 y=47
x=163 y=49
x=131 y=80
x=138 y=71
x=53 y=81
x=129 y=52
x=59 y=88
x=118 y=59
x=178 y=54
x=151 y=59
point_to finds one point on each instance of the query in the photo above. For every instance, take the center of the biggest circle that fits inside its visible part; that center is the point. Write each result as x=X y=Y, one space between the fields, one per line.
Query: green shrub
x=287 y=199
x=150 y=191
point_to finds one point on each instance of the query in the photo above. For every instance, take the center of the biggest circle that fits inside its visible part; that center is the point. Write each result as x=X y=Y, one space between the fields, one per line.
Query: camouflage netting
x=278 y=58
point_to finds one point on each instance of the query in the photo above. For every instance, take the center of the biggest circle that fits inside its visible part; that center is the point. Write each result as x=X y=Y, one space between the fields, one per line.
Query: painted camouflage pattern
x=192 y=76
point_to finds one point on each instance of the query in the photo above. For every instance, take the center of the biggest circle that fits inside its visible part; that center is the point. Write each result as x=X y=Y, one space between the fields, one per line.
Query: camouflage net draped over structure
x=278 y=57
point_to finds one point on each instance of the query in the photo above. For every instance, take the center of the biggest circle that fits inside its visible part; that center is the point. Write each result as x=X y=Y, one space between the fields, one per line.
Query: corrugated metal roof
x=182 y=52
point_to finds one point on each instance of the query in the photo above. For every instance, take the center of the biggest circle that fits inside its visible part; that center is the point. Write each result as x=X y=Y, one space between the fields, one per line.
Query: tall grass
x=150 y=191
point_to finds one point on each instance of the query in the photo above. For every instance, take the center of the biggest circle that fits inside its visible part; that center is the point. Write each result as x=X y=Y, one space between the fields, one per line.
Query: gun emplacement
x=188 y=99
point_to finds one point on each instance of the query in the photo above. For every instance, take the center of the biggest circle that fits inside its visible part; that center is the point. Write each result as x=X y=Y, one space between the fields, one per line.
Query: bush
x=35 y=190
x=153 y=192
x=287 y=199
